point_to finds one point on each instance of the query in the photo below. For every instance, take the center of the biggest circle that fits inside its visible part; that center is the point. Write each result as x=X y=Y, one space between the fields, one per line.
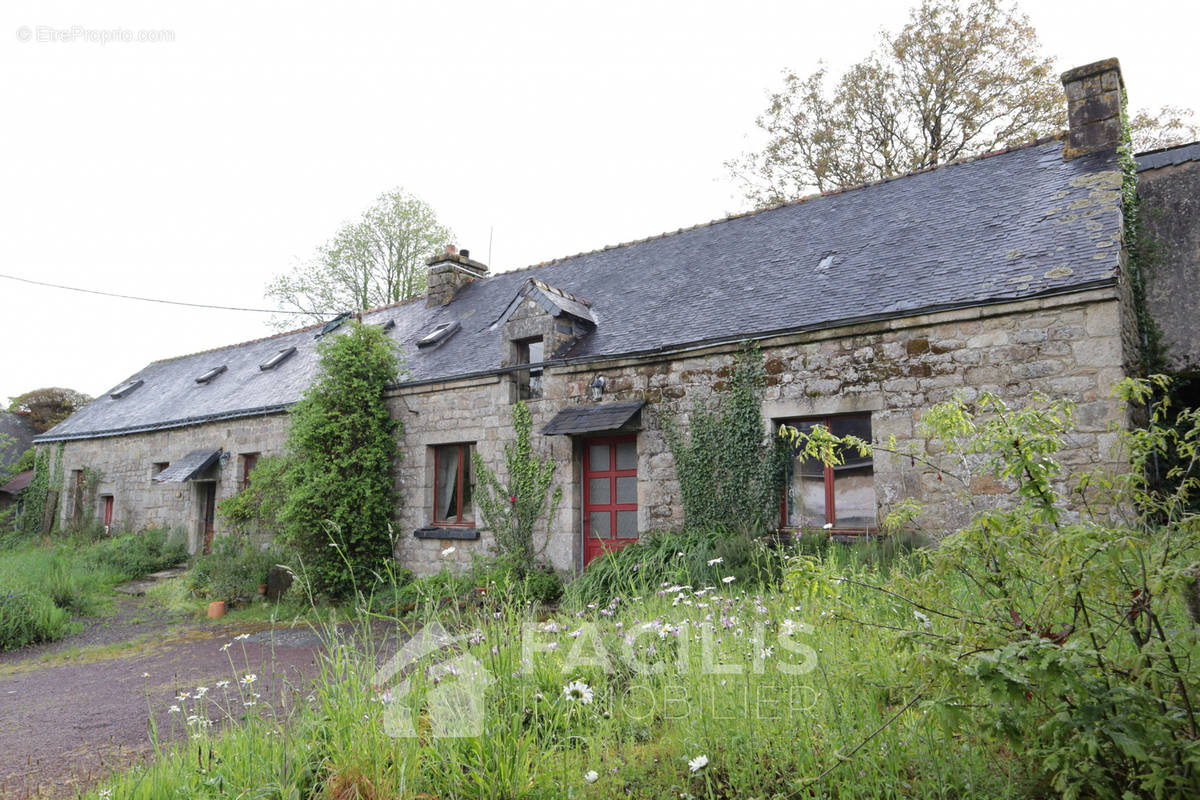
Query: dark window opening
x=453 y=485
x=839 y=497
x=158 y=466
x=529 y=381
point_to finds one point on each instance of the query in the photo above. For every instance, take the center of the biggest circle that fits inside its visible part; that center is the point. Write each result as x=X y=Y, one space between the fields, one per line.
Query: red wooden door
x=609 y=494
x=108 y=512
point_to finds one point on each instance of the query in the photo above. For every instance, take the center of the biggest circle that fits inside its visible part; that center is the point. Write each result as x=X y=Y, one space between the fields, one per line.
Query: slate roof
x=1168 y=156
x=16 y=435
x=1006 y=226
x=592 y=417
x=188 y=467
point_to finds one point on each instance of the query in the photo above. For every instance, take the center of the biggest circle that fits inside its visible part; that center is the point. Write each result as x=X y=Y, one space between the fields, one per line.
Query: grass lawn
x=704 y=691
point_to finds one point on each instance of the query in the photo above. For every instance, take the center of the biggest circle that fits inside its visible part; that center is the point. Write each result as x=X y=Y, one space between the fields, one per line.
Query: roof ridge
x=1041 y=140
x=1168 y=148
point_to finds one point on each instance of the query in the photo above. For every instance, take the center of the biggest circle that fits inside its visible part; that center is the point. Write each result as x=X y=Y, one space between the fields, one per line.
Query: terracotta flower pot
x=216 y=609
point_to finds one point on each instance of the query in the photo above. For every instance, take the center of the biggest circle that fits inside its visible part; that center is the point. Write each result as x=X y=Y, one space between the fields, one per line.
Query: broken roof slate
x=1008 y=226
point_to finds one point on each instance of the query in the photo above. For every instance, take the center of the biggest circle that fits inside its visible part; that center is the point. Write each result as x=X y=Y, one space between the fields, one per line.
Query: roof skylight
x=212 y=373
x=124 y=389
x=439 y=334
x=277 y=359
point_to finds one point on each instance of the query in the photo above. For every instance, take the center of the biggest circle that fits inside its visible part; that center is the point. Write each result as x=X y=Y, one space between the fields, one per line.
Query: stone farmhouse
x=1003 y=273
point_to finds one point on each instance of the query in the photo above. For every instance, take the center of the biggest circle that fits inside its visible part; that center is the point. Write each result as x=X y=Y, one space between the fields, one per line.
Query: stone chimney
x=449 y=272
x=1094 y=96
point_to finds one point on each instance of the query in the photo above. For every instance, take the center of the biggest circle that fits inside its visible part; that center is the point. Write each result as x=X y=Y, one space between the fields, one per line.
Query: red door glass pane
x=609 y=494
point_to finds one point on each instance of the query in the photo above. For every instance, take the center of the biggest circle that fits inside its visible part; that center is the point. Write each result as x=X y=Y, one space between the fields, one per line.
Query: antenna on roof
x=491 y=230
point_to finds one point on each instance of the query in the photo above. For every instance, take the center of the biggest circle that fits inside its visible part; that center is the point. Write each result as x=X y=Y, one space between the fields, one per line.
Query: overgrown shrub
x=341 y=494
x=27 y=618
x=695 y=557
x=233 y=570
x=133 y=555
x=255 y=509
x=730 y=472
x=1058 y=619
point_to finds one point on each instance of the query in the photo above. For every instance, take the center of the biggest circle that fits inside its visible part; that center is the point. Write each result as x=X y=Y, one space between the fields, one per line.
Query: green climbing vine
x=511 y=510
x=730 y=473
x=1141 y=253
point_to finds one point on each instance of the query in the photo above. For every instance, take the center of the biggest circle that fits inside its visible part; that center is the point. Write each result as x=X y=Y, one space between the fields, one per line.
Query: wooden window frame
x=830 y=500
x=248 y=463
x=525 y=377
x=463 y=450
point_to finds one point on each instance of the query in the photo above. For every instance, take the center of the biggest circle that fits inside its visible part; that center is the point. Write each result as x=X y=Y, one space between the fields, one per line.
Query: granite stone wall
x=1067 y=346
x=1063 y=347
x=126 y=465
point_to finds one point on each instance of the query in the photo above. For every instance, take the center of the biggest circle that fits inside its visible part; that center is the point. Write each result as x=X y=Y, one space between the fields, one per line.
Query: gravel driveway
x=63 y=725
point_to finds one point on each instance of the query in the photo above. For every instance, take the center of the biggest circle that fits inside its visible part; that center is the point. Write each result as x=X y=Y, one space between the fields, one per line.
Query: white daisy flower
x=578 y=690
x=591 y=776
x=714 y=561
x=698 y=763
x=248 y=679
x=729 y=579
x=241 y=637
x=173 y=710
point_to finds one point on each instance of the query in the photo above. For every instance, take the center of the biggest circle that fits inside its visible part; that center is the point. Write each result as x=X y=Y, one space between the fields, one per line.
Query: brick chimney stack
x=1095 y=93
x=449 y=272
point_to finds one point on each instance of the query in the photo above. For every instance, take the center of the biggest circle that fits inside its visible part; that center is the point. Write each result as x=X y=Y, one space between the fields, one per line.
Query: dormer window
x=124 y=389
x=439 y=334
x=277 y=359
x=529 y=381
x=212 y=373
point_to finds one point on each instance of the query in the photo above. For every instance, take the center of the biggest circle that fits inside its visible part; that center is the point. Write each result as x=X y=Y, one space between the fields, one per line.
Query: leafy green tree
x=730 y=474
x=377 y=260
x=958 y=79
x=511 y=510
x=47 y=407
x=342 y=444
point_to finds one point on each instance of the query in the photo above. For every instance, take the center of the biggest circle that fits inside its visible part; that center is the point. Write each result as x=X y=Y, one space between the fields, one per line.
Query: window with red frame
x=249 y=462
x=452 y=485
x=841 y=496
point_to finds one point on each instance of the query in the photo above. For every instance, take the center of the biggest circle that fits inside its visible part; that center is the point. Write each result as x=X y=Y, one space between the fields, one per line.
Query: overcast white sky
x=195 y=169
